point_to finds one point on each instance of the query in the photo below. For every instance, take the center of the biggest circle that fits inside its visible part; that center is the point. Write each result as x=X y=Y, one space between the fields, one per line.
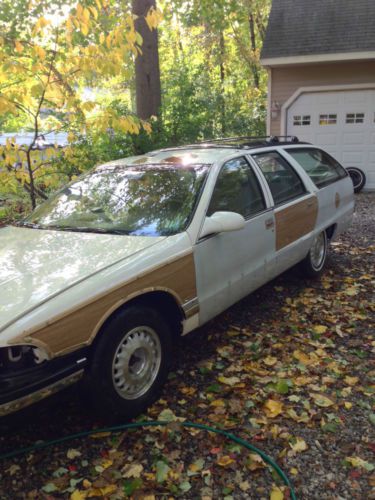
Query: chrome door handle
x=269 y=223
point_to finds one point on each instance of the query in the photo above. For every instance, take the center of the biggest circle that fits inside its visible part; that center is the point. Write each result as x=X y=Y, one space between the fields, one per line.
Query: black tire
x=358 y=178
x=130 y=327
x=313 y=264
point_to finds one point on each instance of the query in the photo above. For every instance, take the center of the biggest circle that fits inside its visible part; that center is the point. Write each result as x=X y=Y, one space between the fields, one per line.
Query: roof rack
x=242 y=142
x=254 y=141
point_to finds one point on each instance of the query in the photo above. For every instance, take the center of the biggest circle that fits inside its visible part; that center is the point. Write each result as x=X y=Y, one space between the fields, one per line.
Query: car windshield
x=156 y=200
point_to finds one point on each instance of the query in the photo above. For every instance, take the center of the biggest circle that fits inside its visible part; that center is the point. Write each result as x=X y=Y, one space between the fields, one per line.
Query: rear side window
x=282 y=179
x=319 y=165
x=237 y=190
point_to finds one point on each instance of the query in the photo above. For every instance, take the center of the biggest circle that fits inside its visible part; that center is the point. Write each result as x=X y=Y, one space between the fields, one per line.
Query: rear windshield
x=141 y=201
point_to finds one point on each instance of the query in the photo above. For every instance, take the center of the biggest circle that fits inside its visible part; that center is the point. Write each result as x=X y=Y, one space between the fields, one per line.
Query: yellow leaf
x=102 y=38
x=102 y=492
x=132 y=470
x=40 y=52
x=299 y=445
x=217 y=403
x=18 y=46
x=86 y=14
x=84 y=29
x=302 y=357
x=351 y=380
x=231 y=381
x=273 y=408
x=270 y=361
x=321 y=400
x=302 y=380
x=78 y=495
x=320 y=329
x=225 y=460
x=94 y=12
x=276 y=493
x=348 y=405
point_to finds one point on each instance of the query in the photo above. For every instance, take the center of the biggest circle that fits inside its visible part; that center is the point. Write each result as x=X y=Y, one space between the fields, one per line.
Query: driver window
x=237 y=190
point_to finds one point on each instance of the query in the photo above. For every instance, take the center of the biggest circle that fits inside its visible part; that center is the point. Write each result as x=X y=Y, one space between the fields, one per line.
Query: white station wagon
x=97 y=283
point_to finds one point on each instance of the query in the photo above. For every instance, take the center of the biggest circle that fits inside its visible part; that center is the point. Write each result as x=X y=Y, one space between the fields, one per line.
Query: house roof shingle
x=308 y=27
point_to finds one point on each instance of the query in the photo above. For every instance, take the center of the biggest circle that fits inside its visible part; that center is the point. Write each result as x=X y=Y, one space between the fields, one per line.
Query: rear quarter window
x=319 y=165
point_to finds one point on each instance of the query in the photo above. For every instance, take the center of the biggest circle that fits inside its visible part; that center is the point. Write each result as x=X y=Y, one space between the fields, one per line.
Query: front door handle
x=269 y=223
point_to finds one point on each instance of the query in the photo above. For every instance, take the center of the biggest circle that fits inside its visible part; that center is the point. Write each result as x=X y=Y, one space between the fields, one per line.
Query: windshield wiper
x=31 y=225
x=79 y=229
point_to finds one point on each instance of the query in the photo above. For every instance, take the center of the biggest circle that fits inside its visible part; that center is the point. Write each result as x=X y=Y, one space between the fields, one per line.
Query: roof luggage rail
x=253 y=140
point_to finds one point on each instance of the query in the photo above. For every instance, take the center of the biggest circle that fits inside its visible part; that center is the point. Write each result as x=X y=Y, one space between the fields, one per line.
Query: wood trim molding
x=79 y=327
x=321 y=88
x=294 y=221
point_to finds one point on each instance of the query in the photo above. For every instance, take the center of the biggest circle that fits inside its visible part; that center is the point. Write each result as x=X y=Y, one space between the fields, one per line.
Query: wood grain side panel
x=79 y=327
x=295 y=221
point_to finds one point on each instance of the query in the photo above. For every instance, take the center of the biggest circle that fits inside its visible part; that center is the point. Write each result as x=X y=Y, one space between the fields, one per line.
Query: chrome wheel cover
x=136 y=362
x=318 y=252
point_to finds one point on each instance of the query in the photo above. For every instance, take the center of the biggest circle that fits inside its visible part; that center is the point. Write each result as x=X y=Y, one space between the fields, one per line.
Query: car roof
x=205 y=153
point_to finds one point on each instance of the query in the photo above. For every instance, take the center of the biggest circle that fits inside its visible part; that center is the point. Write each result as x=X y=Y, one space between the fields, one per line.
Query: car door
x=230 y=265
x=295 y=210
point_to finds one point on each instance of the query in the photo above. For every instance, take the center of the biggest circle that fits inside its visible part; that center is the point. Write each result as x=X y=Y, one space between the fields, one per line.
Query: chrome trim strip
x=29 y=399
x=191 y=307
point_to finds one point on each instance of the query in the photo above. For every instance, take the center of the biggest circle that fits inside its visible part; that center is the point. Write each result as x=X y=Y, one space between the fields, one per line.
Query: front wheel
x=130 y=363
x=314 y=262
x=358 y=178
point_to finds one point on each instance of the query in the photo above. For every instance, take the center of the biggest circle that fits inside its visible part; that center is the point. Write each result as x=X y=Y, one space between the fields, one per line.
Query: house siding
x=287 y=80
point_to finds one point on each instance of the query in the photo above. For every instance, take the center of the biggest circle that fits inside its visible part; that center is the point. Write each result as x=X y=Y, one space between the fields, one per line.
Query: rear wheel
x=358 y=178
x=314 y=262
x=130 y=363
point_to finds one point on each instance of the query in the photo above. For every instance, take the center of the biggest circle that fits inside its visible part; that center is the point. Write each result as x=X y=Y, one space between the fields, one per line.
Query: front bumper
x=20 y=389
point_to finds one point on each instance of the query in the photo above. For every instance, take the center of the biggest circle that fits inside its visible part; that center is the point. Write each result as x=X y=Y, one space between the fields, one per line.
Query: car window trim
x=259 y=184
x=297 y=197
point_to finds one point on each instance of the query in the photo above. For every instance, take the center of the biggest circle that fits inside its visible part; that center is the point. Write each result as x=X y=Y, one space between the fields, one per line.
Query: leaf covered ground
x=289 y=369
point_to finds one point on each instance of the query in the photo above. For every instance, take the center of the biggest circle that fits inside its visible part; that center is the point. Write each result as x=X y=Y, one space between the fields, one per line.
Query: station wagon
x=99 y=281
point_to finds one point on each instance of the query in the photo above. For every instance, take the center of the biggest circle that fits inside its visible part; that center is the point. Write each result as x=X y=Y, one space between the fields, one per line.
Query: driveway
x=290 y=369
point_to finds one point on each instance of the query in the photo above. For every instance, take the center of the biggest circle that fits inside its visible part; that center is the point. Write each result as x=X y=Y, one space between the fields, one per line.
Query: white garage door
x=342 y=122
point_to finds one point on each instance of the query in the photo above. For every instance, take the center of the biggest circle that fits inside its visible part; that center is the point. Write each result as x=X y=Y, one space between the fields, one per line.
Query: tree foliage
x=49 y=54
x=70 y=67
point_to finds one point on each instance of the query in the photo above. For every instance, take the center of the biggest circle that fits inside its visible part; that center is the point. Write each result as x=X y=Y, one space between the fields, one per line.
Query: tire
x=358 y=178
x=313 y=264
x=130 y=363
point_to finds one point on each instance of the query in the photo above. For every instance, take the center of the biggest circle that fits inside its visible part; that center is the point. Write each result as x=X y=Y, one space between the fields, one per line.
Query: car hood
x=36 y=265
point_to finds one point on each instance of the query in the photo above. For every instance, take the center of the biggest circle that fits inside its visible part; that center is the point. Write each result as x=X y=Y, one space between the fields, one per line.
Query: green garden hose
x=136 y=425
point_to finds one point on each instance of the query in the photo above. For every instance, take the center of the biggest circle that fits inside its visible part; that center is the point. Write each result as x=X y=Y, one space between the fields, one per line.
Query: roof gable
x=309 y=27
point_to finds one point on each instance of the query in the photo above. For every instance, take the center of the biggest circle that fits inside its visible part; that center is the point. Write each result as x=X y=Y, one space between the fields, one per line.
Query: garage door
x=342 y=122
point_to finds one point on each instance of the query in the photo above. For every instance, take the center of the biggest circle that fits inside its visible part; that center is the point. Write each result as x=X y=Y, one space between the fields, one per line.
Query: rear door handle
x=269 y=223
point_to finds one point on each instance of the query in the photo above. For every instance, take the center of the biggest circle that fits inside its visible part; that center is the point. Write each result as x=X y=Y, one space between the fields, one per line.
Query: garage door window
x=237 y=190
x=282 y=179
x=301 y=120
x=355 y=117
x=327 y=119
x=320 y=166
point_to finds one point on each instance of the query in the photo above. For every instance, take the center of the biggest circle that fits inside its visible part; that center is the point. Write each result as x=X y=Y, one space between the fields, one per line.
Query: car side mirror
x=222 y=222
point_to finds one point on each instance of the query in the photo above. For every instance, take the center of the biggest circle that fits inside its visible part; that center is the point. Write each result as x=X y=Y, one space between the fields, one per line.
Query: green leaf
x=162 y=470
x=282 y=387
x=330 y=427
x=185 y=486
x=214 y=388
x=371 y=417
x=131 y=485
x=49 y=488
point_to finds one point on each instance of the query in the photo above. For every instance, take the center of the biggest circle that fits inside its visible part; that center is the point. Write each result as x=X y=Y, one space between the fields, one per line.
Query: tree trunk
x=253 y=48
x=222 y=82
x=147 y=71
